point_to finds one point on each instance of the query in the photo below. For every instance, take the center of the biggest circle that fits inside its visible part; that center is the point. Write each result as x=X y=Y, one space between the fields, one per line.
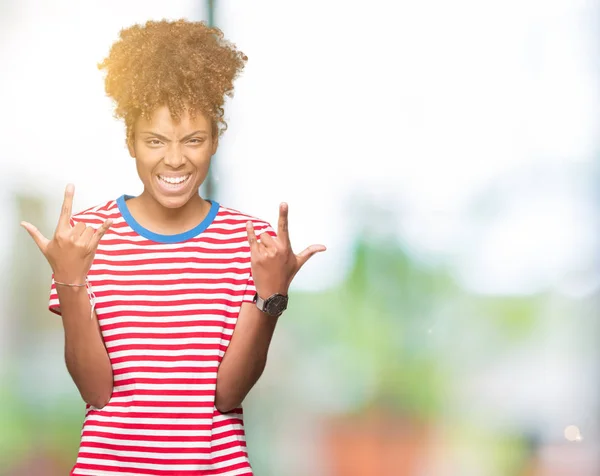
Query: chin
x=176 y=201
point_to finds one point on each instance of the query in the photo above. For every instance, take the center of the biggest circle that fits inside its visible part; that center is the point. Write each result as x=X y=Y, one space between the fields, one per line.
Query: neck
x=168 y=221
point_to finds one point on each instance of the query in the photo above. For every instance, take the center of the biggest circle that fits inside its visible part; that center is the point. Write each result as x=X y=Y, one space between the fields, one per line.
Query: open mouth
x=174 y=182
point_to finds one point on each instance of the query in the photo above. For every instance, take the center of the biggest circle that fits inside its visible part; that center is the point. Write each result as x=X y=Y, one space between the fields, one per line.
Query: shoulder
x=98 y=213
x=235 y=218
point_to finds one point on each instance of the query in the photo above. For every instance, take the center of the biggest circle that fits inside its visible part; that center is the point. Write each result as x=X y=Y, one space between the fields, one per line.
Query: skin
x=70 y=253
x=162 y=146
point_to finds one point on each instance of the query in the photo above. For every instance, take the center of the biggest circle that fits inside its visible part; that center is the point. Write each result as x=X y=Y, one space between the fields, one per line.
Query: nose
x=174 y=156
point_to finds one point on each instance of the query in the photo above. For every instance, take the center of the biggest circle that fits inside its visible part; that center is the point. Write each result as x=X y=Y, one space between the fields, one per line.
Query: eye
x=196 y=141
x=153 y=142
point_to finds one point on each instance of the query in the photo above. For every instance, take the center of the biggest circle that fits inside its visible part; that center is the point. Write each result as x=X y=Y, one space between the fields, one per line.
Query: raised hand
x=71 y=250
x=273 y=261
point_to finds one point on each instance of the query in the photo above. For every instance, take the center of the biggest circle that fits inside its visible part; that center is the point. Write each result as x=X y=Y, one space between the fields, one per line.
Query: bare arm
x=273 y=265
x=85 y=355
x=70 y=254
x=246 y=357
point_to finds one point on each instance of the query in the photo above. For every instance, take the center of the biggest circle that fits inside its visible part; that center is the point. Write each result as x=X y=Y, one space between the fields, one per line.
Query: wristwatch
x=273 y=305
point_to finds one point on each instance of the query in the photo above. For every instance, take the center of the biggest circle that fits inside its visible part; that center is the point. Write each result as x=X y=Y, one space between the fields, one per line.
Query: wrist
x=68 y=294
x=65 y=280
x=274 y=305
x=271 y=292
x=266 y=291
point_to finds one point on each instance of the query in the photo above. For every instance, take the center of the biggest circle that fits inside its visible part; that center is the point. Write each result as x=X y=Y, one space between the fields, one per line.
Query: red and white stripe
x=167 y=312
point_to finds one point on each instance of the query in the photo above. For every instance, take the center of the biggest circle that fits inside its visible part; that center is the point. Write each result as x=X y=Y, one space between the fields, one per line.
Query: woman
x=168 y=300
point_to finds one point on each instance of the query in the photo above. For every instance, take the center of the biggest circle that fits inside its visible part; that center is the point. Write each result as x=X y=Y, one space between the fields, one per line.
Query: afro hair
x=184 y=65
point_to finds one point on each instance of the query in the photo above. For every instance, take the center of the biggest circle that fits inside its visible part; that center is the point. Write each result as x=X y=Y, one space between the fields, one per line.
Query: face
x=172 y=157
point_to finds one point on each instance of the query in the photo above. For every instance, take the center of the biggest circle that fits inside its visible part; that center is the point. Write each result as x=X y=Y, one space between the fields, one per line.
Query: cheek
x=145 y=169
x=147 y=159
x=200 y=158
x=142 y=170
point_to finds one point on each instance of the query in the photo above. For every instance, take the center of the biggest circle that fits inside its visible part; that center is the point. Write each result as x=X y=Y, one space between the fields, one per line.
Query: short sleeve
x=54 y=304
x=250 y=290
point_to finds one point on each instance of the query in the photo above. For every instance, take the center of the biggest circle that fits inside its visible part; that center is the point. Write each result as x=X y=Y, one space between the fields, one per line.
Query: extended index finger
x=282 y=231
x=66 y=211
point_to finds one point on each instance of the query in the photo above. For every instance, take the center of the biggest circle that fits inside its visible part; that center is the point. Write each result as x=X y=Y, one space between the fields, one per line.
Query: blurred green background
x=447 y=155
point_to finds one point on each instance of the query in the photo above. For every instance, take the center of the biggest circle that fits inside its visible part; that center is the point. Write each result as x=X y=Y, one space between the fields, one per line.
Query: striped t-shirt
x=167 y=306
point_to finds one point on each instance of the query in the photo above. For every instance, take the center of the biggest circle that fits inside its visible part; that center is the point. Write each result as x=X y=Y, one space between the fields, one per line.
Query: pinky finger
x=252 y=241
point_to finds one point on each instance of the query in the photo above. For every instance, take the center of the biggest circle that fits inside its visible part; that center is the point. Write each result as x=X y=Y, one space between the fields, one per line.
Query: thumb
x=100 y=233
x=40 y=240
x=304 y=256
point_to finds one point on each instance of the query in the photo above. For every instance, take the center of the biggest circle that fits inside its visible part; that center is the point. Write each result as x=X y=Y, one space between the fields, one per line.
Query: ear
x=131 y=146
x=215 y=138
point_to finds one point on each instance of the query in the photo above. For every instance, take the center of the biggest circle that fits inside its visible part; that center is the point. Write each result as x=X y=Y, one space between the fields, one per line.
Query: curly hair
x=181 y=64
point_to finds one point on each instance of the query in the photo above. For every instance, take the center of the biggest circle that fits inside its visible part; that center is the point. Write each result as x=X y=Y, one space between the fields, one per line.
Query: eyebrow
x=166 y=139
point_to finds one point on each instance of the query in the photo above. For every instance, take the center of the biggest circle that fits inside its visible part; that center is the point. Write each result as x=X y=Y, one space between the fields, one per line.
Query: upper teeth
x=174 y=180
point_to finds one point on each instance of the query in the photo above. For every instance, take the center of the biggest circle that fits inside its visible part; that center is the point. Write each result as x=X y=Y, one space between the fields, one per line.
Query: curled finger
x=267 y=240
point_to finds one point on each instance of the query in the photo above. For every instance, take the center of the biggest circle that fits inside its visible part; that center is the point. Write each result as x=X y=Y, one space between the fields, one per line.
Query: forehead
x=162 y=121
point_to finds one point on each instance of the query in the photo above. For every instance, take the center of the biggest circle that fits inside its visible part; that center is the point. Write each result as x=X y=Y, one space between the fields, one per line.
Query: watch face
x=275 y=305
